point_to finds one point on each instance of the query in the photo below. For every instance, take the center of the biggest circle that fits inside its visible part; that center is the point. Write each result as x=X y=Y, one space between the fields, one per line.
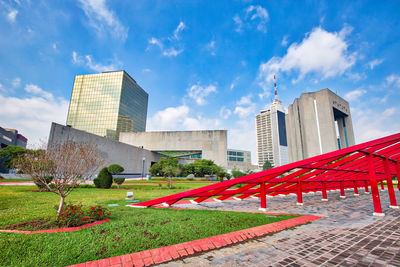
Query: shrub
x=41 y=183
x=96 y=182
x=119 y=180
x=73 y=215
x=190 y=177
x=105 y=178
x=115 y=169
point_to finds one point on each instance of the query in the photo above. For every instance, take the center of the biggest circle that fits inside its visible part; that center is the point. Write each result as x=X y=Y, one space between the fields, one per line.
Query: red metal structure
x=359 y=166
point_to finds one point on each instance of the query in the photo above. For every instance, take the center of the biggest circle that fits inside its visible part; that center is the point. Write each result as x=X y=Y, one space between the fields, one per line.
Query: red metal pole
x=263 y=197
x=324 y=195
x=392 y=196
x=299 y=194
x=366 y=187
x=356 y=189
x=398 y=175
x=342 y=195
x=374 y=187
x=382 y=186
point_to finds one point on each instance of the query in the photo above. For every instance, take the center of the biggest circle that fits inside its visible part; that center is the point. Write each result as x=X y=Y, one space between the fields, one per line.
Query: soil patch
x=39 y=224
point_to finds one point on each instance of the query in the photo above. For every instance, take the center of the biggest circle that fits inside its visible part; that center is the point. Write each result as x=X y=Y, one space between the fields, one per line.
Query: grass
x=130 y=229
x=15 y=180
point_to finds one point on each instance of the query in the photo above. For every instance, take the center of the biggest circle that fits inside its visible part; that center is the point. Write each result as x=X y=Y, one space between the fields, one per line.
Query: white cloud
x=320 y=52
x=89 y=62
x=32 y=115
x=155 y=41
x=393 y=80
x=354 y=95
x=225 y=113
x=2 y=89
x=284 y=41
x=199 y=93
x=36 y=90
x=12 y=15
x=170 y=50
x=371 y=124
x=242 y=135
x=100 y=67
x=253 y=16
x=234 y=82
x=259 y=14
x=16 y=82
x=373 y=63
x=178 y=118
x=211 y=47
x=103 y=20
x=180 y=28
x=54 y=46
x=245 y=100
x=146 y=70
x=238 y=22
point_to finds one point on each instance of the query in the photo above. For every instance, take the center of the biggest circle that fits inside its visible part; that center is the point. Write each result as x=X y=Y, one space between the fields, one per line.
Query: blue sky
x=205 y=64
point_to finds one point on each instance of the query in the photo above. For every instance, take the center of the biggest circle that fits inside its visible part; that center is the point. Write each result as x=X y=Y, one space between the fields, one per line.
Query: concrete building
x=191 y=145
x=271 y=135
x=107 y=103
x=135 y=160
x=240 y=159
x=317 y=123
x=11 y=137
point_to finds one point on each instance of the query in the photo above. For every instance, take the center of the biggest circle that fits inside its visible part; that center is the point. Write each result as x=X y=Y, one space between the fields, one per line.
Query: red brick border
x=66 y=229
x=173 y=252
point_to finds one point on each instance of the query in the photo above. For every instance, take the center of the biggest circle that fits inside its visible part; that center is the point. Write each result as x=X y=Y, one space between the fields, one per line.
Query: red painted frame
x=358 y=166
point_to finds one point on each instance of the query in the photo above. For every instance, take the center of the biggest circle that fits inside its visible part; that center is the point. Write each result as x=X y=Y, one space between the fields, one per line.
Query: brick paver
x=348 y=235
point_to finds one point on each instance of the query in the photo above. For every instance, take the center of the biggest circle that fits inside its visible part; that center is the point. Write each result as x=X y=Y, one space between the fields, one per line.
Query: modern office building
x=317 y=123
x=240 y=159
x=189 y=145
x=11 y=137
x=107 y=103
x=271 y=135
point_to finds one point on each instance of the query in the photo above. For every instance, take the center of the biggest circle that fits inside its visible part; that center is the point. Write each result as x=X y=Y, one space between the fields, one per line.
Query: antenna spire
x=276 y=90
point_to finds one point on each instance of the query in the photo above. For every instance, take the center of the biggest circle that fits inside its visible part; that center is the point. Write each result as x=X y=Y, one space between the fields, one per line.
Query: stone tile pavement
x=348 y=235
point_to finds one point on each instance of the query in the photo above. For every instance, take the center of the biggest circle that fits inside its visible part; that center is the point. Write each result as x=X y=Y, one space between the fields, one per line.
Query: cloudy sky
x=205 y=64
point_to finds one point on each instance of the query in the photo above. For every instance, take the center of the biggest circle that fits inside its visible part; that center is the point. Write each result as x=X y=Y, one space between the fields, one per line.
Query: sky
x=205 y=64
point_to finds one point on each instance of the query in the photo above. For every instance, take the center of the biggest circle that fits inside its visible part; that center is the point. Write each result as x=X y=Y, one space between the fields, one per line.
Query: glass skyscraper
x=107 y=103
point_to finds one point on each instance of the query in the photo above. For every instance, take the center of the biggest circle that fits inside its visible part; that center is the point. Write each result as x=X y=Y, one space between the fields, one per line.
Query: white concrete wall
x=112 y=152
x=213 y=144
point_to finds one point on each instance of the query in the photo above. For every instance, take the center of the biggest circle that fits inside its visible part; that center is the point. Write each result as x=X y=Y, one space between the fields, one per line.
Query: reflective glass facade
x=107 y=103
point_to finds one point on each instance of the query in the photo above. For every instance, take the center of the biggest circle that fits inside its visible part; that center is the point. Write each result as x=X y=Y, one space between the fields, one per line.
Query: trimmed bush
x=96 y=182
x=115 y=169
x=105 y=178
x=119 y=180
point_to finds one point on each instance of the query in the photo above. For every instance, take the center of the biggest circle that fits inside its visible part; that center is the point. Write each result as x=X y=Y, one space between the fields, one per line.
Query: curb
x=58 y=230
x=178 y=251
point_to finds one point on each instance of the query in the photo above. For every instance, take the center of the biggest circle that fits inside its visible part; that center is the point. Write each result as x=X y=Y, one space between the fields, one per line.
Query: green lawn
x=130 y=229
x=14 y=180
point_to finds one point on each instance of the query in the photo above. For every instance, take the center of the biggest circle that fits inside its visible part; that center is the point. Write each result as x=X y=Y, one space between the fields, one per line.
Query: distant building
x=271 y=135
x=107 y=103
x=185 y=145
x=240 y=159
x=11 y=137
x=317 y=123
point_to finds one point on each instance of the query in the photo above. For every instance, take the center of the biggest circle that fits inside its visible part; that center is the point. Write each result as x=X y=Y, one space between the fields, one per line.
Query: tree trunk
x=60 y=206
x=170 y=182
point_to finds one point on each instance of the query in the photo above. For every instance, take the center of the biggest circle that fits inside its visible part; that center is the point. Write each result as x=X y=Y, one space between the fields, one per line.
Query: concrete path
x=348 y=235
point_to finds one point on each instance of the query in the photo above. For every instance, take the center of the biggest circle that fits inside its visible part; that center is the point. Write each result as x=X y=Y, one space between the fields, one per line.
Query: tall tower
x=107 y=103
x=317 y=123
x=271 y=134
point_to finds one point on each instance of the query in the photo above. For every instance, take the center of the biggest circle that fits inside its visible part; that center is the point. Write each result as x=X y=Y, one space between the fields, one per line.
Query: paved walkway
x=348 y=235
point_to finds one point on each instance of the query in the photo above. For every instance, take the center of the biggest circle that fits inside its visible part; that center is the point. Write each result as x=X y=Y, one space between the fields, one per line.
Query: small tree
x=170 y=171
x=115 y=169
x=267 y=165
x=105 y=178
x=237 y=173
x=68 y=163
x=119 y=180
